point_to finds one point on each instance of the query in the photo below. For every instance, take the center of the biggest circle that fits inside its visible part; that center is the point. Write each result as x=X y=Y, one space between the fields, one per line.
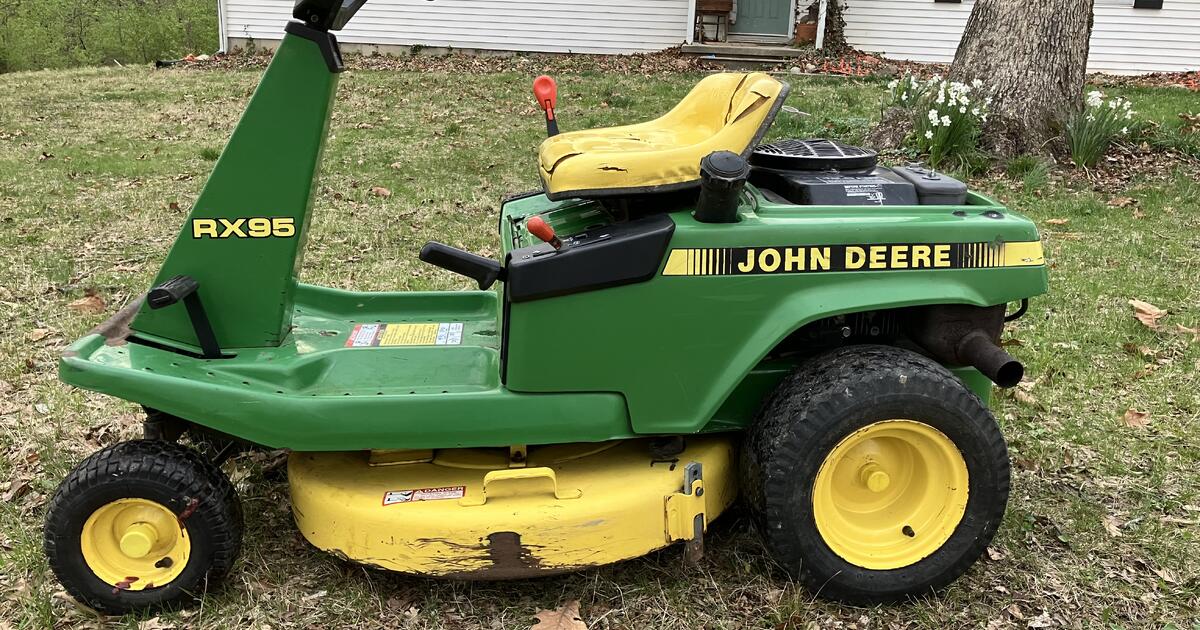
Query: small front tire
x=142 y=525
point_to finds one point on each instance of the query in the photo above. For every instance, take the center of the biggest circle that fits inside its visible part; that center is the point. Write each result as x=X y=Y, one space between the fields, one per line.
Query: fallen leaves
x=1057 y=221
x=1122 y=202
x=566 y=617
x=1147 y=313
x=90 y=304
x=380 y=191
x=1136 y=419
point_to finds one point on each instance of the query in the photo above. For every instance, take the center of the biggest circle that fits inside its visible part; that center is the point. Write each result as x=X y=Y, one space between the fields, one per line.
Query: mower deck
x=355 y=368
x=475 y=513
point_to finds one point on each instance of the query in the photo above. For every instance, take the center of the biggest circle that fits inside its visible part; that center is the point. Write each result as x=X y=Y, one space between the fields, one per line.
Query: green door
x=763 y=18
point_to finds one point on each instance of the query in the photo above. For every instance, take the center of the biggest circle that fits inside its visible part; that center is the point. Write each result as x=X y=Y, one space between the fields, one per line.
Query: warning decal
x=424 y=494
x=385 y=335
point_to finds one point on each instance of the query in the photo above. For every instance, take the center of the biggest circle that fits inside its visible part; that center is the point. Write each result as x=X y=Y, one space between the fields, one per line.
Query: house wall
x=584 y=26
x=1124 y=40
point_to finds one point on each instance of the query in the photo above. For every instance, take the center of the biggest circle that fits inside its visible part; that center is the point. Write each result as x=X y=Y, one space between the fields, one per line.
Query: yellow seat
x=724 y=112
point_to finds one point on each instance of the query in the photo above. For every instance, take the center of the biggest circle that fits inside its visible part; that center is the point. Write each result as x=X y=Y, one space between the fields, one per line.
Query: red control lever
x=546 y=93
x=542 y=230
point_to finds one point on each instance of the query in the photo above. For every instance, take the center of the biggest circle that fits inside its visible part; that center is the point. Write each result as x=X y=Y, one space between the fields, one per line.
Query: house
x=1129 y=36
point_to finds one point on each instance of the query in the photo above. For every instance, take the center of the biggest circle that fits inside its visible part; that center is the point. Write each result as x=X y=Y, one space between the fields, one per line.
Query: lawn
x=99 y=166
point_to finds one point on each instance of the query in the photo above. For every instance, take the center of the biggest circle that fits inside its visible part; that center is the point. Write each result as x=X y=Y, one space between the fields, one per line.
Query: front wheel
x=874 y=474
x=142 y=525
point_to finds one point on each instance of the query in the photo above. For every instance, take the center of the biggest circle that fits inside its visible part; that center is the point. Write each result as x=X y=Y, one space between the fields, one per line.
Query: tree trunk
x=1033 y=55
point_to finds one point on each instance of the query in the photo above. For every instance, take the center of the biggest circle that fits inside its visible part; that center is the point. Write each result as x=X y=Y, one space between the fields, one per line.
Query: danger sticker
x=424 y=494
x=387 y=335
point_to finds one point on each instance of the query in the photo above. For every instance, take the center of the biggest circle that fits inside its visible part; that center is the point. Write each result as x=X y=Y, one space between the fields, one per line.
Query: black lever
x=485 y=271
x=184 y=288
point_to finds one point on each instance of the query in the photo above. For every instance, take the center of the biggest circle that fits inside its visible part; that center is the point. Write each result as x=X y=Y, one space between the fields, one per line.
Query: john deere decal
x=733 y=261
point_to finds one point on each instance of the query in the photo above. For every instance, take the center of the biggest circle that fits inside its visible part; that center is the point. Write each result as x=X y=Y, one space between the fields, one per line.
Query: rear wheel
x=142 y=525
x=875 y=474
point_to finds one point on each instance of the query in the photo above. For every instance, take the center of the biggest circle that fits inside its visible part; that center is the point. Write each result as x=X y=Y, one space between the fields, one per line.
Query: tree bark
x=1033 y=55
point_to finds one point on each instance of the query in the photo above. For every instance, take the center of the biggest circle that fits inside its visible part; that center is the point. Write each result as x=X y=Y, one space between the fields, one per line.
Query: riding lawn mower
x=682 y=316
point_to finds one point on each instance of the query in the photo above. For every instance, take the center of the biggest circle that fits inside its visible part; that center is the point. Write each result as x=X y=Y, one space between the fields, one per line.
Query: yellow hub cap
x=890 y=494
x=135 y=544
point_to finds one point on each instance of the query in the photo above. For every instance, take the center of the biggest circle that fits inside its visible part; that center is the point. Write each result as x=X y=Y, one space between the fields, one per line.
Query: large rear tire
x=874 y=475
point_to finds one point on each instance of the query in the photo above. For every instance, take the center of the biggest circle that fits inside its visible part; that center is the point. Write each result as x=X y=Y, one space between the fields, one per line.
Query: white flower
x=976 y=84
x=983 y=118
x=1094 y=98
x=945 y=121
x=1091 y=118
x=933 y=117
x=892 y=84
x=962 y=110
x=1128 y=104
x=974 y=111
x=928 y=134
x=987 y=101
x=1129 y=114
x=1112 y=104
x=1124 y=130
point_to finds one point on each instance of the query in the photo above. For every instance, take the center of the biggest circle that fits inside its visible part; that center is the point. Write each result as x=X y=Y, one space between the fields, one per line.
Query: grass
x=98 y=168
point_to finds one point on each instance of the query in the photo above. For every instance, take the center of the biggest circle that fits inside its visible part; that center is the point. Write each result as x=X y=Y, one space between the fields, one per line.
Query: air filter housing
x=813 y=154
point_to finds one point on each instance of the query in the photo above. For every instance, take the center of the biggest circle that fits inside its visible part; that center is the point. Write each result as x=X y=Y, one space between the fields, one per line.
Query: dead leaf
x=566 y=617
x=995 y=554
x=1112 y=525
x=1184 y=330
x=16 y=489
x=1042 y=621
x=1057 y=221
x=1166 y=575
x=38 y=334
x=90 y=304
x=380 y=191
x=1122 y=202
x=1138 y=214
x=1147 y=313
x=1136 y=419
x=1015 y=611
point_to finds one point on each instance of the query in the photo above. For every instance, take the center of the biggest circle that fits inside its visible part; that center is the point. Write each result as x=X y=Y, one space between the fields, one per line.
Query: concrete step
x=746 y=63
x=743 y=50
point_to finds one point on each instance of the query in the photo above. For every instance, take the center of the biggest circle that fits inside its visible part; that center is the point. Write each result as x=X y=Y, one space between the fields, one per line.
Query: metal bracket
x=685 y=514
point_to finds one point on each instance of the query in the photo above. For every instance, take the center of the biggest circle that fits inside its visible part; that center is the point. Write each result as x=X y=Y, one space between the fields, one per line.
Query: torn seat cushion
x=724 y=112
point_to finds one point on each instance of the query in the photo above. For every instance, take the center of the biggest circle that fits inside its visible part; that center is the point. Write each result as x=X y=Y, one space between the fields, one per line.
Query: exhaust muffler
x=960 y=334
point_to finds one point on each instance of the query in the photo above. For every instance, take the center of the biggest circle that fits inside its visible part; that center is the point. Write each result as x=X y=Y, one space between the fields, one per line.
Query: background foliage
x=38 y=34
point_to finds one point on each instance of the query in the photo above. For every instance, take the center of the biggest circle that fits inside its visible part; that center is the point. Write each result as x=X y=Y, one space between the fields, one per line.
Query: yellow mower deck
x=479 y=514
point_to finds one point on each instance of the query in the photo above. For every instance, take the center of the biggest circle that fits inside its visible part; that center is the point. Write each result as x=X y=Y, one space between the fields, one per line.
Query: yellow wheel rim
x=890 y=494
x=135 y=544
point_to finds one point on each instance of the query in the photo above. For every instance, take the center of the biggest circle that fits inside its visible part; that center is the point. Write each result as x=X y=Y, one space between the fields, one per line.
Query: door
x=763 y=19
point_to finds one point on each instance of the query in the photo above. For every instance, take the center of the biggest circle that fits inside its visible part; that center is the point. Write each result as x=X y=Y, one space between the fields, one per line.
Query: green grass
x=131 y=148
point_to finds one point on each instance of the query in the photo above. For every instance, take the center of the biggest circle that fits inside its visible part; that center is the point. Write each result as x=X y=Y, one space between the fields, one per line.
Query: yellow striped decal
x=732 y=261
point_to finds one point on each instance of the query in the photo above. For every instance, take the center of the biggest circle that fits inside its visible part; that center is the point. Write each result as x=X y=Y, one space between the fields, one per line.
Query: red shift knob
x=540 y=229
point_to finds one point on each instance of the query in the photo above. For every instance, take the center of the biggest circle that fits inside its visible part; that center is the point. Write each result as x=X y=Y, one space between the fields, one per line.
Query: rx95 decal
x=249 y=227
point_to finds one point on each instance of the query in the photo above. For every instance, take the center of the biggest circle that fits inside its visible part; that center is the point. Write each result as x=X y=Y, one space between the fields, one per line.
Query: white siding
x=1124 y=40
x=587 y=26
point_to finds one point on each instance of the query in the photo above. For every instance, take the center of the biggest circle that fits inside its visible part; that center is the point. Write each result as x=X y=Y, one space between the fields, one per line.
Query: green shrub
x=947 y=117
x=66 y=33
x=1092 y=129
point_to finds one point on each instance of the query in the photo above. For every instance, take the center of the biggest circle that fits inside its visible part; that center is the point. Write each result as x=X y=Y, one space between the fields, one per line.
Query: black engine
x=827 y=172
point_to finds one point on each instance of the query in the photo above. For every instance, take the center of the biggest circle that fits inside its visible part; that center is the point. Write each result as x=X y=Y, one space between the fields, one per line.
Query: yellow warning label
x=385 y=335
x=409 y=335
